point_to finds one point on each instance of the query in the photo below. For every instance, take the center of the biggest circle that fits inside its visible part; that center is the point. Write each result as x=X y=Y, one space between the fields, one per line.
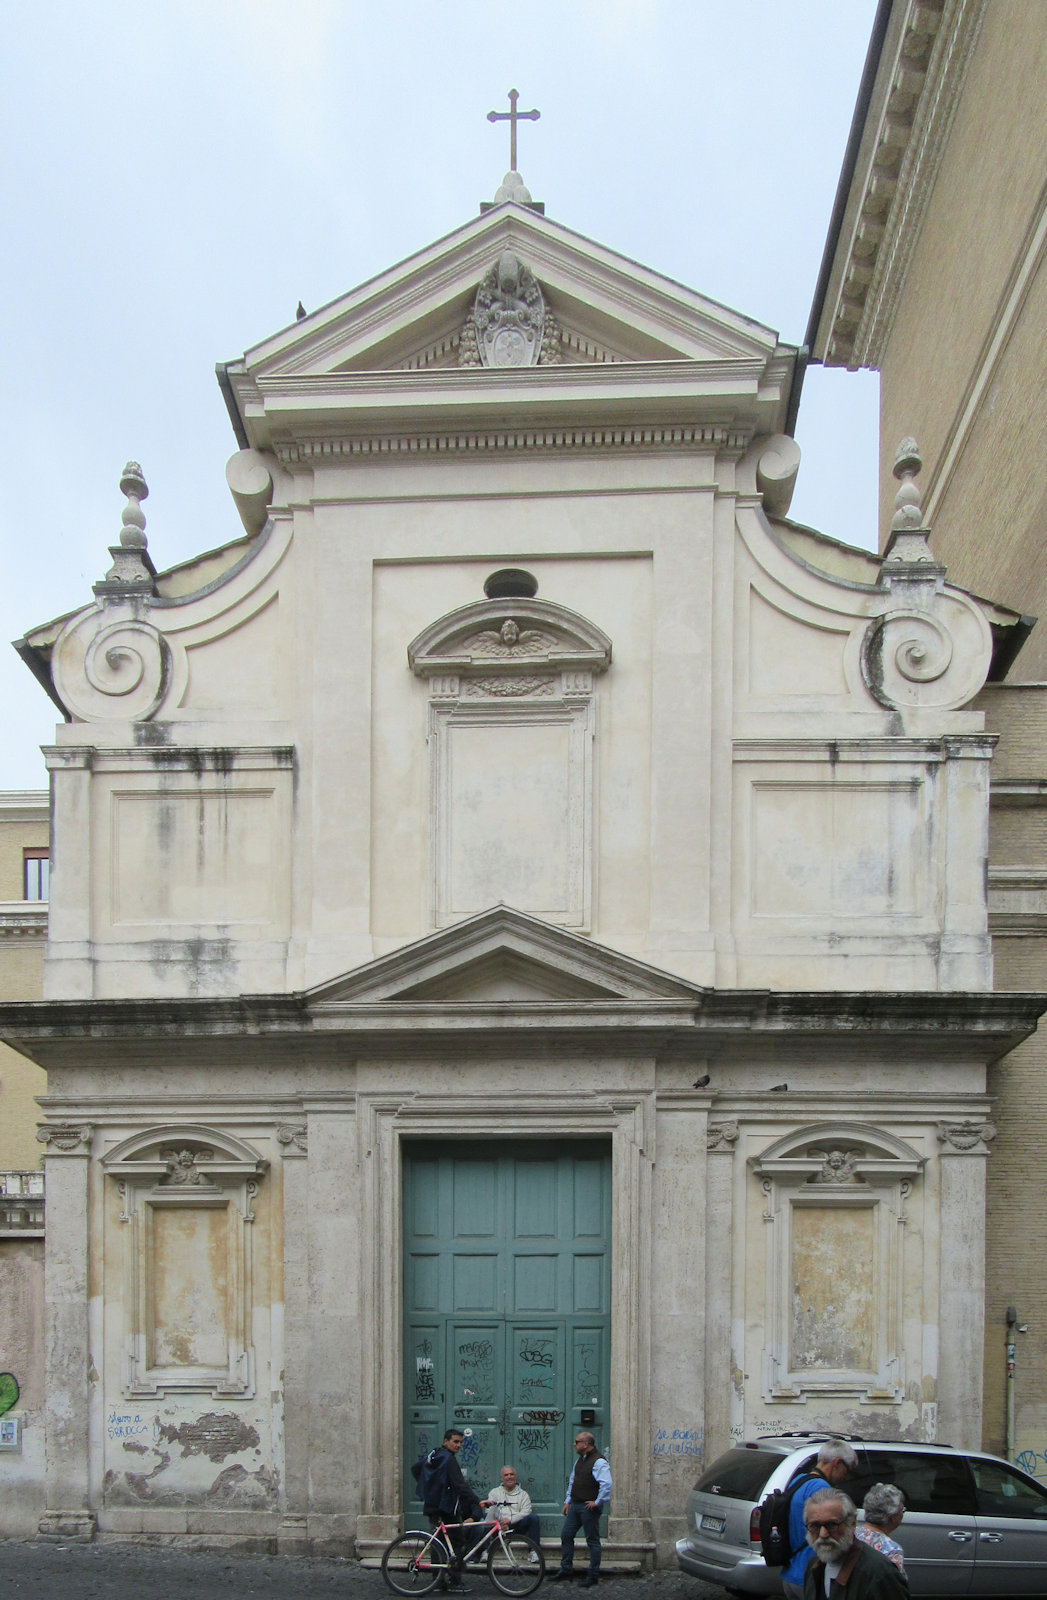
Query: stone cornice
x=919 y=77
x=515 y=441
x=25 y=805
x=974 y=1026
x=23 y=919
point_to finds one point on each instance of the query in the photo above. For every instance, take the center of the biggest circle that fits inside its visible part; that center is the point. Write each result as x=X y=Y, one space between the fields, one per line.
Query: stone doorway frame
x=384 y=1121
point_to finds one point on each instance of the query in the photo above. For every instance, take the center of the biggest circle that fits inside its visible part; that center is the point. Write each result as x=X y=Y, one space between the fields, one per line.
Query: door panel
x=506 y=1307
x=1011 y=1518
x=938 y=1530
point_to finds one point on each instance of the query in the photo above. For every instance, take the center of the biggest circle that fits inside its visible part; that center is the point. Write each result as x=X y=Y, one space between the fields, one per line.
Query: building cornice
x=901 y=130
x=25 y=805
x=979 y=1026
x=23 y=919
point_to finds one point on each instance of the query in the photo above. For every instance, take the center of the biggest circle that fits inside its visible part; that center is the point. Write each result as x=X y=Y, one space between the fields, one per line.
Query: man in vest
x=588 y=1491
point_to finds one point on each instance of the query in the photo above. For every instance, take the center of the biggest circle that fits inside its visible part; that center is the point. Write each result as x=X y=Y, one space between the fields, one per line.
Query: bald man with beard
x=843 y=1567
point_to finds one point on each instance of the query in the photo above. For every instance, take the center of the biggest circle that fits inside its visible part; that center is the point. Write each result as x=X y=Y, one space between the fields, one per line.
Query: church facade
x=518 y=947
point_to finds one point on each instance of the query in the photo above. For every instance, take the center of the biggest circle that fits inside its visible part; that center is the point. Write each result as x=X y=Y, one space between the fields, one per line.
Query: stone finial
x=512 y=187
x=907 y=542
x=908 y=513
x=134 y=486
x=132 y=571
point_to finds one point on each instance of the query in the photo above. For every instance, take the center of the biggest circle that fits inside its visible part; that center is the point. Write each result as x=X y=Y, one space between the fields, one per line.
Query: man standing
x=588 y=1491
x=448 y=1498
x=835 y=1463
x=841 y=1566
x=517 y=1502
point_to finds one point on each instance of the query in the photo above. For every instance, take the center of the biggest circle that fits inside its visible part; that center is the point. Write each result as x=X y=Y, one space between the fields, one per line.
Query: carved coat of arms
x=509 y=315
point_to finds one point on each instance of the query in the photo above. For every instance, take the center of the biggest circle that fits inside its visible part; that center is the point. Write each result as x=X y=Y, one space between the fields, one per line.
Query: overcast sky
x=177 y=174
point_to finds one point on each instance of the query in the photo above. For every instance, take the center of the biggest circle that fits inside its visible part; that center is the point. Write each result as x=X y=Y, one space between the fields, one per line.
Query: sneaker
x=534 y=1558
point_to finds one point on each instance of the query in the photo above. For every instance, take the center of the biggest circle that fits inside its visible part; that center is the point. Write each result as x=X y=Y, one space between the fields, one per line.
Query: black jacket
x=865 y=1575
x=457 y=1500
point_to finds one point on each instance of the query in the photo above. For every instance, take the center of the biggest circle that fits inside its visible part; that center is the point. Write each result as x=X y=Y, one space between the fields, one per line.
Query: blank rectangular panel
x=507 y=816
x=474 y=1186
x=474 y=1283
x=423 y=1274
x=535 y=1197
x=833 y=1303
x=590 y=1221
x=534 y=1283
x=588 y=1283
x=189 y=1282
x=424 y=1220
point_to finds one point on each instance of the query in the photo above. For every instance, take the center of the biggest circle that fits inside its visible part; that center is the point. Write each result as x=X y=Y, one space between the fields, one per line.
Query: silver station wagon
x=974 y=1525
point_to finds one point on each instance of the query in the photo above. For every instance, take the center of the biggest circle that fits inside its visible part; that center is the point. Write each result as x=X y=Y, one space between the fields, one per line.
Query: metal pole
x=1012 y=1318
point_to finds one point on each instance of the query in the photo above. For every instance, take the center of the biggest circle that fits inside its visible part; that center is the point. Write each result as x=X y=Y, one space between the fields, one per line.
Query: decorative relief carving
x=511 y=687
x=293 y=1139
x=510 y=640
x=838 y=1166
x=183 y=1167
x=107 y=665
x=966 y=1137
x=508 y=316
x=721 y=1136
x=66 y=1137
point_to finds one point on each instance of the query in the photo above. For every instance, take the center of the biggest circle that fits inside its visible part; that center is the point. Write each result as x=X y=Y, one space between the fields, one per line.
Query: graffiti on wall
x=679 y=1442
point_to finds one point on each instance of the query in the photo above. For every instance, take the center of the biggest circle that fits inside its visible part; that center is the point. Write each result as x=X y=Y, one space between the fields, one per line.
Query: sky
x=177 y=174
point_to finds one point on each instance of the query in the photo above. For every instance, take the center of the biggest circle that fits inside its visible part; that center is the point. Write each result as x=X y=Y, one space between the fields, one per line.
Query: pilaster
x=68 y=1515
x=964 y=1150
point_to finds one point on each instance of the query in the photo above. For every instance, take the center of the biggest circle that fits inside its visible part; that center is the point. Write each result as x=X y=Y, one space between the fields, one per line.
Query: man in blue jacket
x=836 y=1462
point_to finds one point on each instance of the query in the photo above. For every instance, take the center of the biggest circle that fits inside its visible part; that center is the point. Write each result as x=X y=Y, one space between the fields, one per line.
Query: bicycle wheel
x=515 y=1564
x=414 y=1563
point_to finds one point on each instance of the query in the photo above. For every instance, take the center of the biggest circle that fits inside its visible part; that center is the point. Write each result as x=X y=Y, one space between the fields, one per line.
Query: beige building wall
x=968 y=345
x=1018 y=920
x=24 y=825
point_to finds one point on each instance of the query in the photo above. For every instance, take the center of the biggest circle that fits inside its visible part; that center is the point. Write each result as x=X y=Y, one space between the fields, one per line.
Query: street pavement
x=149 y=1572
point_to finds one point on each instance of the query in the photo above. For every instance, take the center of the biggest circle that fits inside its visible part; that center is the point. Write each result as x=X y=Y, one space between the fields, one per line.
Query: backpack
x=430 y=1476
x=774 y=1522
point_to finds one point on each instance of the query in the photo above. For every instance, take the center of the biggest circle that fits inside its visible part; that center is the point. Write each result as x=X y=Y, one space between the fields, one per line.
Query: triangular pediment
x=610 y=309
x=501 y=957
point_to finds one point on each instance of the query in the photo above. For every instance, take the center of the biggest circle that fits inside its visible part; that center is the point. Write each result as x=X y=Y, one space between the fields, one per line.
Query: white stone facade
x=343 y=836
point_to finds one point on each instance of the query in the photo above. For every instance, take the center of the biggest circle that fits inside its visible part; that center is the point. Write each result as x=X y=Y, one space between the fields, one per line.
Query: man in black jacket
x=843 y=1568
x=456 y=1503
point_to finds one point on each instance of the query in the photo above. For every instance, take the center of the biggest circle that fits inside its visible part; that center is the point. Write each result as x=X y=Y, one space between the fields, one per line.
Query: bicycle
x=414 y=1563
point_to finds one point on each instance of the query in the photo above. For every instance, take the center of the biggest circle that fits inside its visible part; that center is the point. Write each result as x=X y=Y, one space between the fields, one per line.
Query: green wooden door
x=506 y=1307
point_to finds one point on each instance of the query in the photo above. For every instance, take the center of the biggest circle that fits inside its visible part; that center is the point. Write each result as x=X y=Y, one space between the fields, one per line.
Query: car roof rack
x=848 y=1438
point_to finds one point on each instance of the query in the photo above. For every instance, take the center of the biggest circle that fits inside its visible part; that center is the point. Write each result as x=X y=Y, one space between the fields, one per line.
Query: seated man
x=518 y=1504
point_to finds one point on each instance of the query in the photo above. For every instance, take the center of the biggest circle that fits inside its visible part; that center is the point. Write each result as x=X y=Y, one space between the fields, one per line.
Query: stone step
x=625 y=1560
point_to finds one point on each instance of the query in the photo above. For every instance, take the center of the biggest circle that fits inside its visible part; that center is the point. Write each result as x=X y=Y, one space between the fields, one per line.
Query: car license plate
x=713 y=1524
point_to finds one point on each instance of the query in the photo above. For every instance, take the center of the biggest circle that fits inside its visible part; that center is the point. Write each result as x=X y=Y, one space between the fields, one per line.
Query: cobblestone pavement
x=142 y=1572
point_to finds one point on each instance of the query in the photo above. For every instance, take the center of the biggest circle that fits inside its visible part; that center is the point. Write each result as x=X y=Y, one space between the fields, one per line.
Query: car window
x=1002 y=1492
x=932 y=1482
x=740 y=1474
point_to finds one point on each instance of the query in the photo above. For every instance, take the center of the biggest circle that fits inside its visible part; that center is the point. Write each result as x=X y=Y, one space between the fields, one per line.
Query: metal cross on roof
x=512 y=117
